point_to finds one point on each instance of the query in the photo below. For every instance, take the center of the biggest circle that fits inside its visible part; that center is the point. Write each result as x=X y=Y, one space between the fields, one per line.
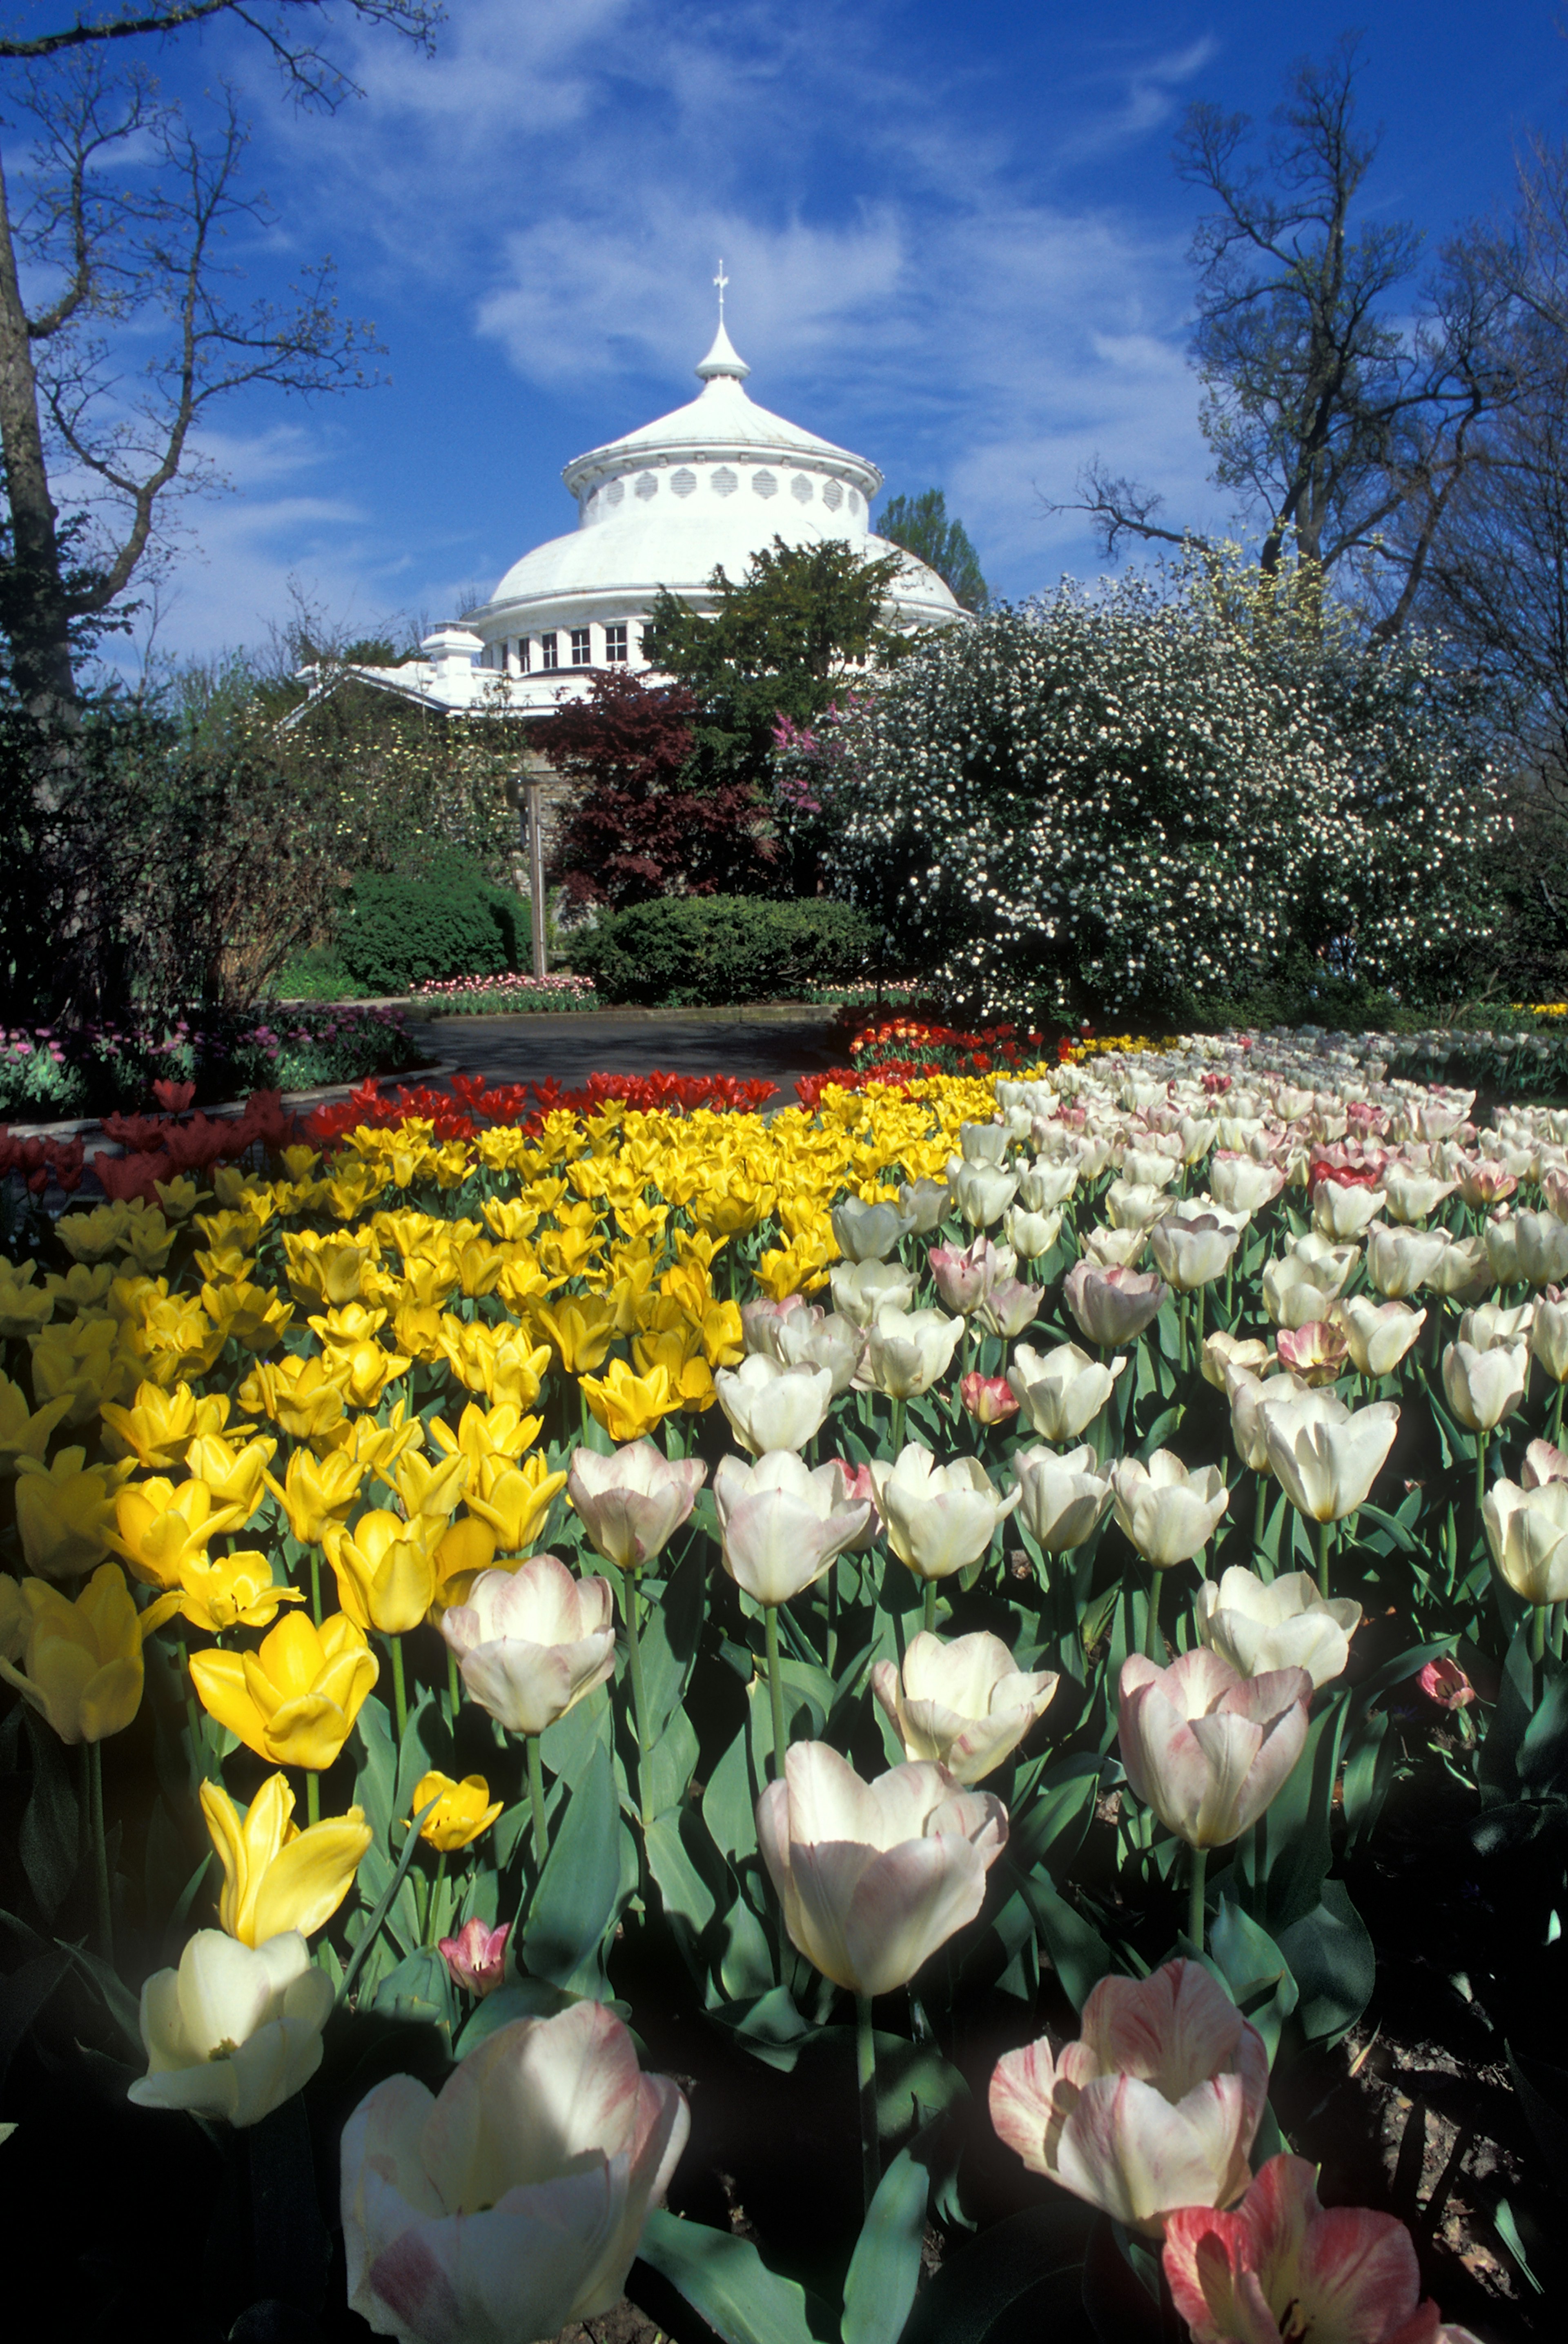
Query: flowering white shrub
x=1149 y=793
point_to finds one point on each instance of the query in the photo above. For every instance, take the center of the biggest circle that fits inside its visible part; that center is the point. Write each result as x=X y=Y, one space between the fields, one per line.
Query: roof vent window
x=684 y=482
x=799 y=488
x=832 y=496
x=724 y=482
x=647 y=486
x=764 y=484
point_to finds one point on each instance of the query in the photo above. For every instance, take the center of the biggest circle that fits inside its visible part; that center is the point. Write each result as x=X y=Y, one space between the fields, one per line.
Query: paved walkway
x=536 y=1047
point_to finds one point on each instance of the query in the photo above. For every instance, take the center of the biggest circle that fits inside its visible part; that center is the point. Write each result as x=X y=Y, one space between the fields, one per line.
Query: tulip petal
x=906 y=1903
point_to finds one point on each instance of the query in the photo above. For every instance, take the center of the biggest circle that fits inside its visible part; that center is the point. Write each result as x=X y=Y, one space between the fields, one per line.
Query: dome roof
x=703 y=488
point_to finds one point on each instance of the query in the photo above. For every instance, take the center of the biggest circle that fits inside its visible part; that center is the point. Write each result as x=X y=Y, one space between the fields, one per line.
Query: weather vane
x=720 y=280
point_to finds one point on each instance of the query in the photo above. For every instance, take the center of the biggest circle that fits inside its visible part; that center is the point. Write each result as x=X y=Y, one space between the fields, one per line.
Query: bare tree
x=1329 y=416
x=285 y=27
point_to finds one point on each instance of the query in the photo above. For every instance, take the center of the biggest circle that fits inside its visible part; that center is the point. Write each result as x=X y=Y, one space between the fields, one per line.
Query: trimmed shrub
x=398 y=933
x=696 y=951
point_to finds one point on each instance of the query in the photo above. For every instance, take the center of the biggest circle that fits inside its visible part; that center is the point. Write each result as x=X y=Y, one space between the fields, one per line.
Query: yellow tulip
x=349 y=1348
x=225 y=1264
x=347 y=1193
x=170 y=1335
x=277 y=1877
x=479 y=1266
x=463 y=1810
x=466 y=1548
x=317 y=1492
x=510 y=1218
x=78 y=1360
x=236 y=1477
x=567 y=1253
x=514 y=1499
x=324 y=1270
x=24 y=1307
x=231 y=1591
x=300 y=1162
x=65 y=1512
x=294 y=1699
x=520 y=1282
x=690 y=1382
x=256 y=1317
x=159 y=1525
x=629 y=1406
x=496 y=1432
x=581 y=1329
x=93 y=1235
x=81 y=1288
x=159 y=1425
x=722 y=1335
x=82 y=1661
x=23 y=1432
x=379 y=1447
x=179 y=1196
x=237 y=1226
x=432 y=1488
x=416 y=1328
x=148 y=1240
x=499 y=1361
x=303 y=1397
x=385 y=1568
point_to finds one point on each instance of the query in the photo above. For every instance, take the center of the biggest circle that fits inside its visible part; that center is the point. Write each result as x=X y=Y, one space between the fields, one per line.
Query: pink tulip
x=1205 y=1748
x=988 y=1398
x=1280 y=2267
x=475 y=1956
x=1155 y=2106
x=1316 y=1352
x=1112 y=1306
x=1445 y=1683
x=1543 y=1463
x=964 y=1275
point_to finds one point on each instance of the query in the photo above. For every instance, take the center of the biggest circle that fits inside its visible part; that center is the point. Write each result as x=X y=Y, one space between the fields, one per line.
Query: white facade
x=702 y=488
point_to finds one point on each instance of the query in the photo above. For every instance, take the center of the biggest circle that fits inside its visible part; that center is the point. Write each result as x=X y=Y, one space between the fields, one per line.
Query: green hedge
x=397 y=933
x=697 y=951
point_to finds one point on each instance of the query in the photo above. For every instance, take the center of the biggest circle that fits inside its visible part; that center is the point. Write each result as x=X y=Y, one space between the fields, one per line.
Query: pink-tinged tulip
x=530 y=1642
x=1009 y=1308
x=939 y=1517
x=475 y=1956
x=1280 y=2267
x=1222 y=1352
x=856 y=1488
x=1544 y=1463
x=1205 y=1748
x=1315 y=1353
x=631 y=1502
x=1445 y=1683
x=988 y=1398
x=964 y=1275
x=875 y=1876
x=962 y=1704
x=1483 y=1387
x=1061 y=1499
x=781 y=1523
x=1483 y=1181
x=1168 y=1513
x=1112 y=1306
x=513 y=2202
x=1154 y=2108
x=761 y=1322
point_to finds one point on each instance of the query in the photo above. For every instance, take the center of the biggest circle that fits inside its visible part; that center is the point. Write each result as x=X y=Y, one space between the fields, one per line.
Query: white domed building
x=702 y=488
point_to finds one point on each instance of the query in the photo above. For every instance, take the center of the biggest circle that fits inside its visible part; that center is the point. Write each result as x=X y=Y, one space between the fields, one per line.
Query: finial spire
x=721 y=359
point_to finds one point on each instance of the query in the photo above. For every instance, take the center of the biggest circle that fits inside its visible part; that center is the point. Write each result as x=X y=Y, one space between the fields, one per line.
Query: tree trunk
x=34 y=614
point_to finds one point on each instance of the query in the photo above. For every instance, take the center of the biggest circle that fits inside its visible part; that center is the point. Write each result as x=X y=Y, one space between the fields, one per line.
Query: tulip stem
x=454 y=1690
x=1325 y=1544
x=1480 y=1486
x=775 y=1686
x=316 y=1584
x=312 y=1795
x=400 y=1693
x=1154 y=1643
x=1259 y=1502
x=866 y=2070
x=639 y=1698
x=536 y=1796
x=100 y=1850
x=896 y=1428
x=1538 y=1635
x=1195 y=1883
x=930 y=1621
x=1557 y=1418
x=1197 y=1338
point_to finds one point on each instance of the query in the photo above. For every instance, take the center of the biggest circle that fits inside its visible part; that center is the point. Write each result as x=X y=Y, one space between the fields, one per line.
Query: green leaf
x=1333 y=1964
x=884 y=2268
x=426 y=1747
x=568 y=1744
x=1254 y=1970
x=671 y=1628
x=419 y=1988
x=1051 y=1831
x=1019 y=2278
x=671 y=1762
x=1078 y=1954
x=578 y=1897
x=526 y=1998
x=726 y=2281
x=729 y=1802
x=676 y=1845
x=1300 y=1850
x=375 y=1780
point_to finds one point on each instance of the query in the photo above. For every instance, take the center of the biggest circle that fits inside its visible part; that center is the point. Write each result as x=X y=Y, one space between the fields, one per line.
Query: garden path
x=567 y=1048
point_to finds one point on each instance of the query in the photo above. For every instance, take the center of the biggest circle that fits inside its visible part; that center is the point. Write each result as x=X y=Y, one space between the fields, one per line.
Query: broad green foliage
x=696 y=949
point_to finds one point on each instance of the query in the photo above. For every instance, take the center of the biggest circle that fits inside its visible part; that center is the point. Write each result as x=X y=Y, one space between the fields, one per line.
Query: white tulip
x=939 y=1517
x=1168 y=1513
x=1258 y=1626
x=1326 y=1456
x=1191 y=1253
x=773 y=1407
x=906 y=1350
x=1483 y=1387
x=235 y=2031
x=1542 y=1243
x=1400 y=1261
x=1527 y=1531
x=861 y=1288
x=1342 y=1209
x=960 y=1704
x=1378 y=1334
x=1062 y=1390
x=868 y=1232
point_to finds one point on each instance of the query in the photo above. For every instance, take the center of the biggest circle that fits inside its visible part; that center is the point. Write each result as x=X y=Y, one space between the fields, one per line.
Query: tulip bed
x=825 y=1720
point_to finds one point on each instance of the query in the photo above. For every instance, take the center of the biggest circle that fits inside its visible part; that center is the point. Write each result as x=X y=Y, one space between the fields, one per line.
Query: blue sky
x=954 y=238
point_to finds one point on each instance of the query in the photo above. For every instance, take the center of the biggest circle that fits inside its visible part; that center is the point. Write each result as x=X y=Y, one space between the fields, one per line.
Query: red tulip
x=1282 y=2266
x=475 y=1956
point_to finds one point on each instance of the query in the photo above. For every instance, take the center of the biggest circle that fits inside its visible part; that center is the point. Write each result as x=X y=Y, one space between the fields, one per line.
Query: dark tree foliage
x=922 y=527
x=642 y=824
